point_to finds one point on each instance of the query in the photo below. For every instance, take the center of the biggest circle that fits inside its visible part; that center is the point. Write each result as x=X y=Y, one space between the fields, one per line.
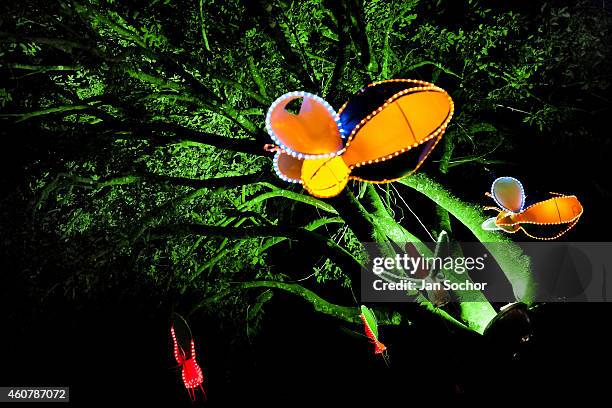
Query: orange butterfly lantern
x=381 y=134
x=554 y=216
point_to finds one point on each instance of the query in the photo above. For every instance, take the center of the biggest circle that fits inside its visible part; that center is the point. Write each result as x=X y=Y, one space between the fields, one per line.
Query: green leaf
x=262 y=299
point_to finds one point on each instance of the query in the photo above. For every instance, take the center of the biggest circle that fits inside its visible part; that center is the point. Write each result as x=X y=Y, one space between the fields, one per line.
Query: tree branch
x=57 y=43
x=279 y=192
x=211 y=183
x=345 y=259
x=63 y=110
x=348 y=314
x=319 y=222
x=360 y=38
x=513 y=262
x=182 y=134
x=340 y=12
x=356 y=216
x=263 y=11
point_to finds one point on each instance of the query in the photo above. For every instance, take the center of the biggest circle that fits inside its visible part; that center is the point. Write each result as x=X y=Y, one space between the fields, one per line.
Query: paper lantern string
x=559 y=213
x=372 y=138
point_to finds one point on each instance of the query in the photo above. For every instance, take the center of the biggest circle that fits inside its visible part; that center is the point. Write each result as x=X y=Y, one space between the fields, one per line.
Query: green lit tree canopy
x=148 y=122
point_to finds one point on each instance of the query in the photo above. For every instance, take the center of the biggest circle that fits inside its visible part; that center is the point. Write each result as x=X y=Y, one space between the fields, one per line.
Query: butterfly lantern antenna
x=386 y=359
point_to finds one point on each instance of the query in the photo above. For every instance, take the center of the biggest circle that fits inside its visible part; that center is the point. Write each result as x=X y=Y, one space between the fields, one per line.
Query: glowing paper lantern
x=371 y=329
x=552 y=217
x=381 y=134
x=191 y=373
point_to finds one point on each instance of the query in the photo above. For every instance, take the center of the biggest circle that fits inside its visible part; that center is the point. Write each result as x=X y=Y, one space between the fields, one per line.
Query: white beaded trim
x=425 y=86
x=500 y=204
x=277 y=169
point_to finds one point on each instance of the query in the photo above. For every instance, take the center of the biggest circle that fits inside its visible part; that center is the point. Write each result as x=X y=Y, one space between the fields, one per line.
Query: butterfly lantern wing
x=490 y=224
x=287 y=167
x=392 y=127
x=309 y=143
x=509 y=194
x=313 y=132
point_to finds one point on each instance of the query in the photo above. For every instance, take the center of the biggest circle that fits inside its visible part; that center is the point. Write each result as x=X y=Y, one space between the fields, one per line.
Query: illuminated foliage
x=151 y=121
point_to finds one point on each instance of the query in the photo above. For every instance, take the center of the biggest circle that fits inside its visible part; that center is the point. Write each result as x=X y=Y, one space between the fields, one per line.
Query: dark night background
x=113 y=344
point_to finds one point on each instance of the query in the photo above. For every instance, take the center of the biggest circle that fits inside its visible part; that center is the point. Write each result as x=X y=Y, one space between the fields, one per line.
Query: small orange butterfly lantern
x=381 y=134
x=553 y=217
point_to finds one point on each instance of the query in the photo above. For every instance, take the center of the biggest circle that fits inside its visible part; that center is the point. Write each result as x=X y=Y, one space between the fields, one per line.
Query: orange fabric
x=557 y=210
x=289 y=166
x=408 y=120
x=312 y=131
x=425 y=111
